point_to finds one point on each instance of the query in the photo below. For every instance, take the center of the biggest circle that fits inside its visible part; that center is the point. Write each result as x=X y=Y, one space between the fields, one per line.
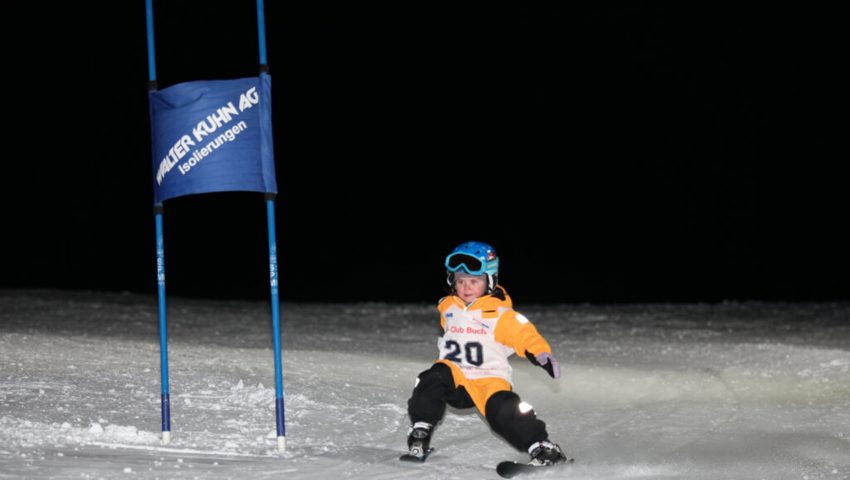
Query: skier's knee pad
x=503 y=409
x=514 y=420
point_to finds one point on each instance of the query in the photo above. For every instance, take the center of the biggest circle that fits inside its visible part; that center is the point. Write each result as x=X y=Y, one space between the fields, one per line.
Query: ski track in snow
x=696 y=391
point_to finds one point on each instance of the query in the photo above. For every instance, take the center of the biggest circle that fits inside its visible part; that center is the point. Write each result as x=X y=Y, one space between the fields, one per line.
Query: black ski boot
x=419 y=441
x=546 y=453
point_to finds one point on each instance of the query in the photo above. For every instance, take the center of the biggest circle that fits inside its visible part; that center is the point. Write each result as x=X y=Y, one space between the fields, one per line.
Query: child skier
x=480 y=331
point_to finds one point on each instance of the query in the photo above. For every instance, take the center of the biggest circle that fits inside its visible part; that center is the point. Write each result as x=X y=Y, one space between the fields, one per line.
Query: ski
x=512 y=469
x=416 y=458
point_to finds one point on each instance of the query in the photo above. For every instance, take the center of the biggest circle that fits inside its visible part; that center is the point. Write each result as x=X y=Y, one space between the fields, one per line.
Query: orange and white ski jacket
x=478 y=338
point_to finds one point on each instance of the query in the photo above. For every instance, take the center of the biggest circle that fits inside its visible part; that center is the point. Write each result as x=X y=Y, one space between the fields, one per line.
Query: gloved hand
x=547 y=362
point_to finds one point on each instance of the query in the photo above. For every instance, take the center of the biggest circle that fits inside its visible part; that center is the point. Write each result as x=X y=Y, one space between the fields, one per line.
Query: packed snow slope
x=694 y=391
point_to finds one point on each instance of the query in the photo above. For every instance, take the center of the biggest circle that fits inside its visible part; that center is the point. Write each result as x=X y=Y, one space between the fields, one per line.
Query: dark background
x=623 y=152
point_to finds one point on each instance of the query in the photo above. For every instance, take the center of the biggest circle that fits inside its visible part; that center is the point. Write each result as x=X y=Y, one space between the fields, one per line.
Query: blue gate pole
x=151 y=52
x=165 y=400
x=273 y=278
x=275 y=304
x=273 y=282
x=261 y=31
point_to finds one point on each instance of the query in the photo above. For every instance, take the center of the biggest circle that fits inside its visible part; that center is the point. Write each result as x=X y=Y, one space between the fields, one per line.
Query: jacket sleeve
x=515 y=331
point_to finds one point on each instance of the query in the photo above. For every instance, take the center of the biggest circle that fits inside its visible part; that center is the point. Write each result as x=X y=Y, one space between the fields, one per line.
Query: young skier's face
x=469 y=287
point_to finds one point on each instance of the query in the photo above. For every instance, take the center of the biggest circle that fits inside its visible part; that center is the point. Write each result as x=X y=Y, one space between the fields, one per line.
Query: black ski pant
x=436 y=388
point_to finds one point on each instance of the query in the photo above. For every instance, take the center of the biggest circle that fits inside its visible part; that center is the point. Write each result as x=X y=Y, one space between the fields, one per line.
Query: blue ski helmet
x=474 y=258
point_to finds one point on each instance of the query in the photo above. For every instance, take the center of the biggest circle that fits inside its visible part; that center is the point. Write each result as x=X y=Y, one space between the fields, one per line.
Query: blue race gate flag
x=212 y=136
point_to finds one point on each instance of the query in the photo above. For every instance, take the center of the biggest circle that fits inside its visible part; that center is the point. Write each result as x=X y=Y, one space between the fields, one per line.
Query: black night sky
x=611 y=152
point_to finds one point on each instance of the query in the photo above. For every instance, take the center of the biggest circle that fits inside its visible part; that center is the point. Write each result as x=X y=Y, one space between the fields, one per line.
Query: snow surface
x=721 y=391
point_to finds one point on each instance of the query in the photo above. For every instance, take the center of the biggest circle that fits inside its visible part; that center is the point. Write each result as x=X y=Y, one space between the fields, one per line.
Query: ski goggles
x=460 y=260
